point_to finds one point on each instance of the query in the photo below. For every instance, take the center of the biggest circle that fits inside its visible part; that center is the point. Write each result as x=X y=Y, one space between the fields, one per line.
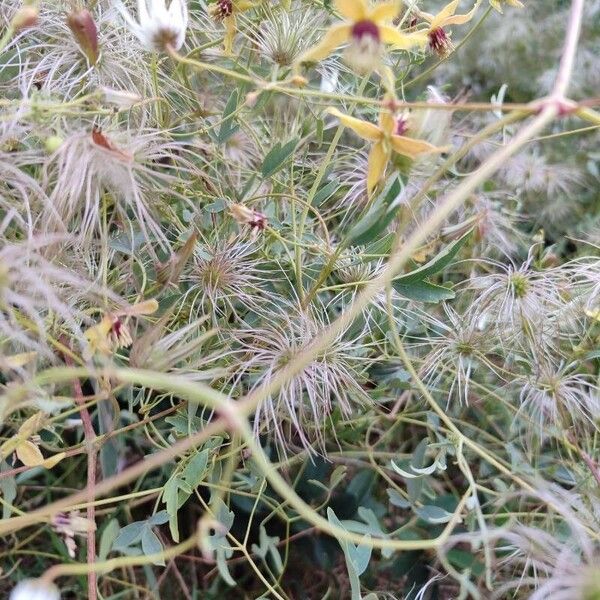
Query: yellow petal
x=334 y=37
x=230 y=31
x=402 y=41
x=460 y=19
x=353 y=10
x=593 y=314
x=17 y=360
x=440 y=19
x=386 y=121
x=384 y=12
x=378 y=159
x=32 y=425
x=97 y=336
x=147 y=307
x=366 y=130
x=52 y=461
x=387 y=78
x=412 y=147
x=242 y=5
x=29 y=454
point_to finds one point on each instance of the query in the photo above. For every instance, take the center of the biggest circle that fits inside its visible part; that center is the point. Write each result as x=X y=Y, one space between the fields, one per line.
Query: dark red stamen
x=439 y=41
x=117 y=326
x=223 y=8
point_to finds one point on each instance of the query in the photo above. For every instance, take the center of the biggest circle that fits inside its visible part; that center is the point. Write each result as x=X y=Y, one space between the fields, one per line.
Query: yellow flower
x=497 y=4
x=387 y=137
x=439 y=40
x=112 y=332
x=366 y=30
x=225 y=11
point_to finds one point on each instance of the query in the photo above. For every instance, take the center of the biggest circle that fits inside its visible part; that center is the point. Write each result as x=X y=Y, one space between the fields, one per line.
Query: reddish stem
x=90 y=438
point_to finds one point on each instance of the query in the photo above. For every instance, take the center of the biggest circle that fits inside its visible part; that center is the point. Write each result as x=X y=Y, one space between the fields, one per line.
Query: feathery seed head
x=331 y=381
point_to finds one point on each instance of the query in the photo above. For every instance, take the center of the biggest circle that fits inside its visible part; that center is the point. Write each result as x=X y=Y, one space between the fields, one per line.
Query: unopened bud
x=251 y=99
x=53 y=143
x=83 y=27
x=120 y=98
x=299 y=81
x=26 y=16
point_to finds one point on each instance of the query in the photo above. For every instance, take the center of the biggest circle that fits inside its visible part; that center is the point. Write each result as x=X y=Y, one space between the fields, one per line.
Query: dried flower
x=257 y=221
x=112 y=332
x=69 y=526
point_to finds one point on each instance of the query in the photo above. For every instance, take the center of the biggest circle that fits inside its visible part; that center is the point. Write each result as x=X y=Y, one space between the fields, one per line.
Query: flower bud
x=251 y=99
x=53 y=143
x=26 y=16
x=83 y=27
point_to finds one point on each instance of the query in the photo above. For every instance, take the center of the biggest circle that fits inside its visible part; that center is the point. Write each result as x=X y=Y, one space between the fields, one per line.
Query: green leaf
x=277 y=156
x=129 y=535
x=193 y=473
x=8 y=487
x=423 y=291
x=222 y=566
x=107 y=539
x=325 y=192
x=151 y=545
x=436 y=264
x=228 y=124
x=357 y=557
x=338 y=475
x=465 y=560
x=160 y=518
x=380 y=215
x=380 y=247
x=171 y=499
x=268 y=546
x=396 y=499
x=433 y=514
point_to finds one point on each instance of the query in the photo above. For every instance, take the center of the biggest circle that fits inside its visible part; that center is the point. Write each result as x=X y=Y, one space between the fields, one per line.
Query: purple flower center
x=365 y=28
x=401 y=126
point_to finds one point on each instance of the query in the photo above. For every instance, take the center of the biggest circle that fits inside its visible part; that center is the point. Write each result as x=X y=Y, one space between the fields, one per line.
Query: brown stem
x=90 y=439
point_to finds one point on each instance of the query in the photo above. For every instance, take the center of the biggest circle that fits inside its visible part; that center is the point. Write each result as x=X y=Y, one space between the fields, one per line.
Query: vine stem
x=233 y=414
x=90 y=442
